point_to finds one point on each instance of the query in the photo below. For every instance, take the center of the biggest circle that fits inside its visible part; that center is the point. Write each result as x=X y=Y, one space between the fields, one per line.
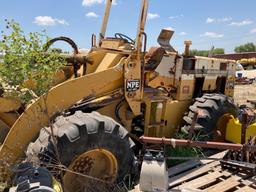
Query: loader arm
x=59 y=98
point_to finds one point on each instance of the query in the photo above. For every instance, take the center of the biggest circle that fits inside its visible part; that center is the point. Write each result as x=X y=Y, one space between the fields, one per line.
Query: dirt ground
x=245 y=92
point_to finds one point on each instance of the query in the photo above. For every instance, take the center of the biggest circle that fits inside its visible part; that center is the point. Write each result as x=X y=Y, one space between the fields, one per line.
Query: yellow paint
x=132 y=71
x=9 y=104
x=230 y=84
x=104 y=166
x=185 y=89
x=56 y=185
x=111 y=43
x=4 y=129
x=161 y=81
x=173 y=115
x=169 y=115
x=234 y=131
x=95 y=57
x=58 y=99
x=9 y=118
x=109 y=60
x=125 y=115
x=154 y=115
x=210 y=83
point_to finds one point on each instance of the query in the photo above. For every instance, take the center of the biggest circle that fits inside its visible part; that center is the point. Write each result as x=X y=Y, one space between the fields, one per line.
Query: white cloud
x=153 y=15
x=44 y=20
x=176 y=16
x=169 y=28
x=225 y=19
x=91 y=2
x=210 y=20
x=49 y=21
x=218 y=20
x=182 y=33
x=253 y=30
x=91 y=14
x=241 y=23
x=88 y=3
x=212 y=35
x=61 y=21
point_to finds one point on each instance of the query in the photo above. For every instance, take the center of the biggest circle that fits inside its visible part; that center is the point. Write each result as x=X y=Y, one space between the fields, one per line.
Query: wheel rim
x=96 y=163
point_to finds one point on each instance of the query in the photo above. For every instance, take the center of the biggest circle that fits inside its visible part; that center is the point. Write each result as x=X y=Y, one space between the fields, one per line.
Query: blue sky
x=222 y=23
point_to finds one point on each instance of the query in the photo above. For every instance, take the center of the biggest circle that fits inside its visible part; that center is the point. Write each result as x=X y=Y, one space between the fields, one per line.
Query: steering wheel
x=124 y=37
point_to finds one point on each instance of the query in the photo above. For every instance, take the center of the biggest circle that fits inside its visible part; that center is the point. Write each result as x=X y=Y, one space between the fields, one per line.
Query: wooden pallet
x=207 y=175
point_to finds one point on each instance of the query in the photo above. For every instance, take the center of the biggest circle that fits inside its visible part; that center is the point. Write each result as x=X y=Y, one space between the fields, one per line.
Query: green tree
x=57 y=50
x=248 y=47
x=1 y=58
x=195 y=52
x=24 y=60
x=218 y=51
x=205 y=53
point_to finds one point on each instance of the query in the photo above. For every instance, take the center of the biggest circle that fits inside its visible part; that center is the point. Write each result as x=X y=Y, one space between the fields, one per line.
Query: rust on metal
x=236 y=56
x=244 y=127
x=83 y=165
x=204 y=144
x=247 y=116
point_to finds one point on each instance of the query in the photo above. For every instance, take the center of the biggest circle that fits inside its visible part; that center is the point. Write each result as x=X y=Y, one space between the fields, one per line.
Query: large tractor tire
x=214 y=112
x=90 y=146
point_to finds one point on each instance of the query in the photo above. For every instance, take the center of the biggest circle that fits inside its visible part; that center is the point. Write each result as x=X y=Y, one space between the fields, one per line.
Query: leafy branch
x=26 y=70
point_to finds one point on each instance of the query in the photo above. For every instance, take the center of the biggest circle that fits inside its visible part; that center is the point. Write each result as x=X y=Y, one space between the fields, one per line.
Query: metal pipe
x=204 y=144
x=93 y=41
x=187 y=46
x=143 y=62
x=105 y=20
x=141 y=24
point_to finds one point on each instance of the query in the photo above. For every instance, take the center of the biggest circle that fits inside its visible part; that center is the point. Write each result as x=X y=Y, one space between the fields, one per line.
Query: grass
x=182 y=151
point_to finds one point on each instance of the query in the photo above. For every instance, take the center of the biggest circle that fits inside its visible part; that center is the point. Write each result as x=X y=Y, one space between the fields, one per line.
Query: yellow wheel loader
x=87 y=126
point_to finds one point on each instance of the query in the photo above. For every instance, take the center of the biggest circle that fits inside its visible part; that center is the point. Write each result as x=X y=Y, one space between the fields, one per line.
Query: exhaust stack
x=187 y=46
